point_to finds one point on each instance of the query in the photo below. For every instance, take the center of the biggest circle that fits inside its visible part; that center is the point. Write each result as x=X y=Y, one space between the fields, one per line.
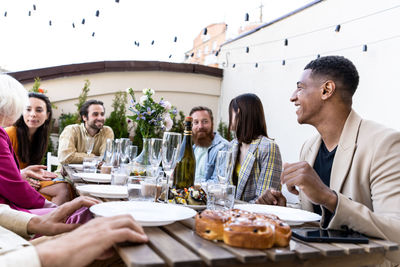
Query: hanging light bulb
x=34 y=7
x=205 y=31
x=365 y=48
x=29 y=13
x=116 y=1
x=247 y=49
x=337 y=28
x=170 y=56
x=73 y=25
x=152 y=42
x=217 y=53
x=192 y=54
x=175 y=39
x=246 y=17
x=5 y=14
x=93 y=34
x=256 y=65
x=283 y=62
x=83 y=21
x=97 y=13
x=286 y=42
x=50 y=22
x=318 y=56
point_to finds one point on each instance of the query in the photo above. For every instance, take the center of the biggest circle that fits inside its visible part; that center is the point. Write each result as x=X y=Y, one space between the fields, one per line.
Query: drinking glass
x=142 y=188
x=89 y=164
x=224 y=166
x=220 y=197
x=89 y=144
x=170 y=147
x=155 y=154
x=131 y=151
x=125 y=143
x=118 y=176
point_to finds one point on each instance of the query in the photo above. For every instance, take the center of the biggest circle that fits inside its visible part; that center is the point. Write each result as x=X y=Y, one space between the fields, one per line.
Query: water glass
x=118 y=176
x=220 y=197
x=224 y=166
x=89 y=164
x=142 y=188
x=131 y=152
x=89 y=144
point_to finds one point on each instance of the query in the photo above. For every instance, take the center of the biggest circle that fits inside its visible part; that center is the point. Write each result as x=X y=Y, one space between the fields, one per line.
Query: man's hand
x=53 y=223
x=38 y=172
x=301 y=174
x=91 y=241
x=272 y=197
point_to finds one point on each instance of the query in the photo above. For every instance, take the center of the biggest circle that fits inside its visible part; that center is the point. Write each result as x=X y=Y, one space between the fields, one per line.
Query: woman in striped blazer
x=256 y=157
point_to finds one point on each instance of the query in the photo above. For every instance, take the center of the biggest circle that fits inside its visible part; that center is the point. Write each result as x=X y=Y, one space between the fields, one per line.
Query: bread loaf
x=243 y=229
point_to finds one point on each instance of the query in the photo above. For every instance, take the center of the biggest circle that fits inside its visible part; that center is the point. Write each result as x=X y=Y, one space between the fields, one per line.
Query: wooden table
x=178 y=245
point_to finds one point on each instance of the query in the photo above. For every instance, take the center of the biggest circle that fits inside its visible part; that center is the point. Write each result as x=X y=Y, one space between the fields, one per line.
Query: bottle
x=186 y=164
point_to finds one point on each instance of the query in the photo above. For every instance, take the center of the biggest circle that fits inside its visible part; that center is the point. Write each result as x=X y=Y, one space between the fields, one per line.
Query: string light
x=49 y=22
x=246 y=17
x=29 y=13
x=73 y=25
x=93 y=34
x=205 y=31
x=234 y=65
x=175 y=39
x=5 y=14
x=170 y=56
x=256 y=65
x=83 y=21
x=34 y=7
x=283 y=62
x=286 y=42
x=152 y=42
x=97 y=13
x=337 y=28
x=247 y=49
x=365 y=48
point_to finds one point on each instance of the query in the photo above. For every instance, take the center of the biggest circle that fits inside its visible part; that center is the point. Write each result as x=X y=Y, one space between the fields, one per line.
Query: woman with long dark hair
x=257 y=159
x=30 y=137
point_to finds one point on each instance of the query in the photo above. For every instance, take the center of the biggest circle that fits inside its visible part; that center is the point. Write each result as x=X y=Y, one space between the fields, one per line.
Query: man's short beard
x=203 y=141
x=94 y=126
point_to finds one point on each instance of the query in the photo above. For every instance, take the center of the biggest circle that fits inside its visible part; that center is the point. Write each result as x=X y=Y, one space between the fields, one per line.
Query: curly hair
x=339 y=69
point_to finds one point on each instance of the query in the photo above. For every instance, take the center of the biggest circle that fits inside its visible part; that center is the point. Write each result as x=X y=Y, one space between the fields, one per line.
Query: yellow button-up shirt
x=72 y=148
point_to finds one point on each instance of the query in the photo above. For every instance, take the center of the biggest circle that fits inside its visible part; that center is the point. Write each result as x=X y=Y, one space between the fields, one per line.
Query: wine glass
x=224 y=166
x=170 y=147
x=155 y=154
x=108 y=151
x=125 y=143
x=131 y=152
x=89 y=144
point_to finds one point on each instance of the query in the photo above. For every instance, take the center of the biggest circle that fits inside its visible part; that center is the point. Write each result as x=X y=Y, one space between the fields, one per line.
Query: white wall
x=183 y=90
x=378 y=90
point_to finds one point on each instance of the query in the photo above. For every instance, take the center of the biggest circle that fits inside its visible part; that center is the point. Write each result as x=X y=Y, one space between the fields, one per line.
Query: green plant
x=66 y=119
x=223 y=130
x=178 y=125
x=36 y=87
x=117 y=118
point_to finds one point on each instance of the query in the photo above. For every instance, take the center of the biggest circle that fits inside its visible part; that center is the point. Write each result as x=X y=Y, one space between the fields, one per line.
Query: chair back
x=51 y=160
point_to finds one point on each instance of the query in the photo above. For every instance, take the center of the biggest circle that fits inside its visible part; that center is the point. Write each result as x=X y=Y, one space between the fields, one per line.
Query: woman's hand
x=38 y=172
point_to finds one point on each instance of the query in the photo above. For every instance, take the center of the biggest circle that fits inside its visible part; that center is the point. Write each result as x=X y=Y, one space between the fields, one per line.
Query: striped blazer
x=260 y=170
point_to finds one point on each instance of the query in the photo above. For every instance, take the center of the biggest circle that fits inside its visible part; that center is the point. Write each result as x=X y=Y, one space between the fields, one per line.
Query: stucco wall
x=183 y=90
x=274 y=83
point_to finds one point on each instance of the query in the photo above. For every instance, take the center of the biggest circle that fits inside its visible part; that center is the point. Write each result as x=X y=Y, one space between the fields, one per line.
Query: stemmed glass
x=170 y=147
x=131 y=152
x=155 y=154
x=224 y=166
x=108 y=151
x=125 y=143
x=89 y=144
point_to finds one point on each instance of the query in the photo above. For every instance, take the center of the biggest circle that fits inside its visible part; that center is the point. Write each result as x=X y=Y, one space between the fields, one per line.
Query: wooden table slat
x=139 y=255
x=173 y=252
x=372 y=247
x=280 y=254
x=303 y=251
x=209 y=252
x=246 y=255
x=350 y=248
x=388 y=245
x=325 y=248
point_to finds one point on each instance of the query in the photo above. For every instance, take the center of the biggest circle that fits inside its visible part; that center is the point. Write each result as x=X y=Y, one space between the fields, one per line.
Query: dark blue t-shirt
x=323 y=167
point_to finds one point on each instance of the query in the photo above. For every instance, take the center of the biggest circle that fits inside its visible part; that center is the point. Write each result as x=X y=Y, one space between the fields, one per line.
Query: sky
x=29 y=42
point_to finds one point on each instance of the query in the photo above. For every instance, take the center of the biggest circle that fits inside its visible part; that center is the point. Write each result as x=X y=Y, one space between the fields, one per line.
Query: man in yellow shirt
x=73 y=140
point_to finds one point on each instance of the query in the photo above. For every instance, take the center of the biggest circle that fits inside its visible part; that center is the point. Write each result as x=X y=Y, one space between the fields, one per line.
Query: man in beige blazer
x=359 y=188
x=78 y=248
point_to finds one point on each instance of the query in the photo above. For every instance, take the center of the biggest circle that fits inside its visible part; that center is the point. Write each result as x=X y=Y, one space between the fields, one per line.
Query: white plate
x=94 y=177
x=78 y=167
x=289 y=215
x=145 y=213
x=195 y=207
x=101 y=190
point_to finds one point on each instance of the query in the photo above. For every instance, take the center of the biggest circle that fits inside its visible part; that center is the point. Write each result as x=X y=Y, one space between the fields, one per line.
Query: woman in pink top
x=14 y=190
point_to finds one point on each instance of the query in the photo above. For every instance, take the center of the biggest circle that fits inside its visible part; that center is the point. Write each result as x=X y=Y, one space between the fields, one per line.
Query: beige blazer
x=366 y=177
x=14 y=250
